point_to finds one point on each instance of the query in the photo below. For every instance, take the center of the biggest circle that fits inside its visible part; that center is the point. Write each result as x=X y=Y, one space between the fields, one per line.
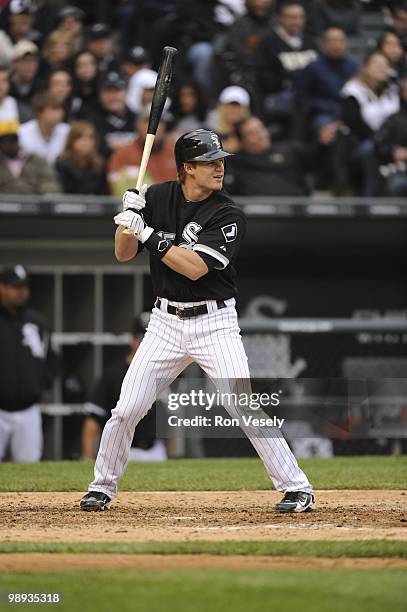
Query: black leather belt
x=193 y=311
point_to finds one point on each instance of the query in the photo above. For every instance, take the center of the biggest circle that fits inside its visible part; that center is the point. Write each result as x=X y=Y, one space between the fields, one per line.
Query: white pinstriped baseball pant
x=170 y=344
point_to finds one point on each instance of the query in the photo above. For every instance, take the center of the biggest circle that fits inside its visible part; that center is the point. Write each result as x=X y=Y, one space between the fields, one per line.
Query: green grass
x=217 y=590
x=304 y=548
x=208 y=475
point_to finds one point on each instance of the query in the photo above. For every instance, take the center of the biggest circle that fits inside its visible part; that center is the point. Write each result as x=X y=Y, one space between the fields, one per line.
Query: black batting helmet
x=199 y=145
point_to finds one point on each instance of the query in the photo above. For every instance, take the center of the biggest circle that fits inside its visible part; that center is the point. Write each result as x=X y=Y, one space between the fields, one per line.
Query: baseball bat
x=161 y=89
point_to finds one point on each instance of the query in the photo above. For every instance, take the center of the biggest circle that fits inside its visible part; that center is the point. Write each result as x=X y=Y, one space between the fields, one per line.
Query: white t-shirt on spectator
x=8 y=109
x=374 y=109
x=32 y=141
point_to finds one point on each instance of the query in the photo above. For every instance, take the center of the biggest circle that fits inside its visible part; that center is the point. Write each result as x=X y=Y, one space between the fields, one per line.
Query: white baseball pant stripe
x=22 y=431
x=169 y=346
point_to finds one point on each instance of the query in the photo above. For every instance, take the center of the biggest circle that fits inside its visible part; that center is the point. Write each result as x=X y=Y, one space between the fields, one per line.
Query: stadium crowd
x=305 y=97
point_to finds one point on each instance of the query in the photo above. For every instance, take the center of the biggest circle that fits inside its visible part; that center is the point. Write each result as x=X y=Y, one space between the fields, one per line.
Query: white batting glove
x=135 y=223
x=134 y=199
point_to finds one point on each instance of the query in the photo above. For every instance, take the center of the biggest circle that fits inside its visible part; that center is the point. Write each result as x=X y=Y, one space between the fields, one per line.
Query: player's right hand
x=133 y=198
x=132 y=220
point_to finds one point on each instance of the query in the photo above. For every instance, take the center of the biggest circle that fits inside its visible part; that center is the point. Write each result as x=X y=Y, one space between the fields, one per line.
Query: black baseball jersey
x=213 y=228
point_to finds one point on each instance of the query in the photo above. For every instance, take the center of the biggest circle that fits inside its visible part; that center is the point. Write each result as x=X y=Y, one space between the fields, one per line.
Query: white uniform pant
x=169 y=346
x=22 y=430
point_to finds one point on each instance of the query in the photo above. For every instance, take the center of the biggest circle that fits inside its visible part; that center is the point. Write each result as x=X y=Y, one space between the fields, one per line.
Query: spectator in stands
x=399 y=16
x=21 y=21
x=80 y=167
x=233 y=106
x=136 y=66
x=342 y=14
x=28 y=366
x=8 y=104
x=318 y=93
x=264 y=168
x=56 y=54
x=114 y=122
x=23 y=83
x=20 y=172
x=46 y=134
x=99 y=42
x=368 y=100
x=85 y=84
x=124 y=164
x=391 y=147
x=237 y=55
x=60 y=88
x=319 y=84
x=390 y=45
x=145 y=446
x=188 y=108
x=285 y=50
x=70 y=19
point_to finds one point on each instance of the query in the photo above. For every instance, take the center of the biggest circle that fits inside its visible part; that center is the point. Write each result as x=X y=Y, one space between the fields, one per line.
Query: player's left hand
x=132 y=220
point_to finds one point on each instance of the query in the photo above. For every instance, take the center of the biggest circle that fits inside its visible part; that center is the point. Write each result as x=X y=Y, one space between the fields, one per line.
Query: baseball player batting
x=193 y=231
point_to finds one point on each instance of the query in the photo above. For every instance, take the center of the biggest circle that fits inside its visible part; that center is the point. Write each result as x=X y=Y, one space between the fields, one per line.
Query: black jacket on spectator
x=28 y=363
x=278 y=172
x=319 y=85
x=278 y=62
x=74 y=179
x=392 y=134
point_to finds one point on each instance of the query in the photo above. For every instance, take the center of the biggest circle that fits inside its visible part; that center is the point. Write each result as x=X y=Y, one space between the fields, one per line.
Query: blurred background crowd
x=311 y=95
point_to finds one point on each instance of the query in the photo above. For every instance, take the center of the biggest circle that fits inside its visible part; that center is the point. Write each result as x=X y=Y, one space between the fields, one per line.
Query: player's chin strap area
x=185 y=313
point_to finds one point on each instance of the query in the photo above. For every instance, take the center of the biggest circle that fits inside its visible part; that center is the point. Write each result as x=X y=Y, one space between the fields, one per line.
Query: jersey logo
x=222 y=248
x=229 y=232
x=32 y=339
x=190 y=235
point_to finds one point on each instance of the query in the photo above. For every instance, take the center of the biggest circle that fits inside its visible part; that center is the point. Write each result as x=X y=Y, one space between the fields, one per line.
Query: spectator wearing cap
x=8 y=104
x=233 y=106
x=21 y=172
x=70 y=19
x=124 y=164
x=28 y=367
x=21 y=21
x=136 y=65
x=112 y=118
x=99 y=42
x=80 y=167
x=262 y=167
x=188 y=108
x=23 y=81
x=145 y=445
x=85 y=84
x=46 y=134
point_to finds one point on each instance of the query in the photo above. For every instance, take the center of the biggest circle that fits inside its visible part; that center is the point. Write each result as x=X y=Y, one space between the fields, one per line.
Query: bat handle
x=148 y=145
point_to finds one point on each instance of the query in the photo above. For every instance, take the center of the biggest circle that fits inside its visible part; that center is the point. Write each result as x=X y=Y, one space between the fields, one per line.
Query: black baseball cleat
x=94 y=501
x=296 y=501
